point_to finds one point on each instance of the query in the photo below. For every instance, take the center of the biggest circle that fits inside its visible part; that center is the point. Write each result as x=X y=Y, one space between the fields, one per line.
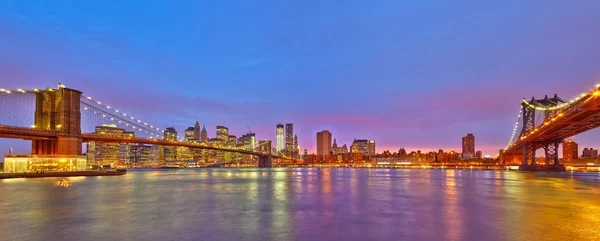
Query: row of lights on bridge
x=125 y=115
x=594 y=93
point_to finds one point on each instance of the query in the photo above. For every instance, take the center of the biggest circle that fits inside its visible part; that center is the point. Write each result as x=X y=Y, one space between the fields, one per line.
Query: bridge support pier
x=551 y=150
x=265 y=161
x=551 y=154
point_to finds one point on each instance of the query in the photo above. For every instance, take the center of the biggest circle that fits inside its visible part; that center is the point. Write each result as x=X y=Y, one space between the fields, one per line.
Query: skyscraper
x=204 y=134
x=279 y=135
x=296 y=144
x=366 y=147
x=170 y=134
x=197 y=131
x=189 y=134
x=223 y=133
x=468 y=147
x=323 y=143
x=289 y=137
x=248 y=141
x=570 y=150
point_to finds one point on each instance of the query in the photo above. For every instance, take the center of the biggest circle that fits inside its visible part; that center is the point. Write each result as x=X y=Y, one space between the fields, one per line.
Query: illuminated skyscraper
x=570 y=150
x=197 y=131
x=223 y=133
x=248 y=141
x=323 y=143
x=468 y=147
x=296 y=144
x=204 y=135
x=107 y=153
x=189 y=134
x=279 y=135
x=231 y=140
x=289 y=137
x=170 y=134
x=366 y=147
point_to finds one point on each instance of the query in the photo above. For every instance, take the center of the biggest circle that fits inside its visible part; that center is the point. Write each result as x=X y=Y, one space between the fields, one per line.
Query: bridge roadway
x=578 y=117
x=27 y=133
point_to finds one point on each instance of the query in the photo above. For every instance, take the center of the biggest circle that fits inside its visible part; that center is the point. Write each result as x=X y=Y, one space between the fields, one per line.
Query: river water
x=304 y=204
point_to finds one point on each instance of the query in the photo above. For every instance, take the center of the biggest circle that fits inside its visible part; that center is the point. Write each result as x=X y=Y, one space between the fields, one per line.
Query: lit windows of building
x=139 y=155
x=289 y=137
x=223 y=133
x=468 y=147
x=365 y=147
x=231 y=140
x=189 y=134
x=279 y=137
x=570 y=150
x=47 y=163
x=108 y=153
x=170 y=134
x=248 y=141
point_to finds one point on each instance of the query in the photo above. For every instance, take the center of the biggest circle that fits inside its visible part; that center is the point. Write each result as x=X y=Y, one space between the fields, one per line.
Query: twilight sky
x=414 y=74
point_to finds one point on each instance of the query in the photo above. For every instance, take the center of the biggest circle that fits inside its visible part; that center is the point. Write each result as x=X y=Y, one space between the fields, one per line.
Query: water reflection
x=303 y=204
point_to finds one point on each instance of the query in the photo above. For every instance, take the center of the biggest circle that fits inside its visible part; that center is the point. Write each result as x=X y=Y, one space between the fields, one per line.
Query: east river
x=304 y=204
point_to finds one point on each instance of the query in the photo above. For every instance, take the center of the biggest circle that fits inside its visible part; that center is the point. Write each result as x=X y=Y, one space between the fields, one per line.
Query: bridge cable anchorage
x=120 y=117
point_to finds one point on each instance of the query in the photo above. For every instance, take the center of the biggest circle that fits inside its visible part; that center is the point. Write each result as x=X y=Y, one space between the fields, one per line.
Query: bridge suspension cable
x=512 y=137
x=117 y=117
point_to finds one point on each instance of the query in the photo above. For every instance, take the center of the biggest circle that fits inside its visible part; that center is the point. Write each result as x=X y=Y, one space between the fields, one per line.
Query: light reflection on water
x=304 y=204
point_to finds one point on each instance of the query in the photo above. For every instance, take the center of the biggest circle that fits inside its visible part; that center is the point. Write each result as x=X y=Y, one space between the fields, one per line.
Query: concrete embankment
x=61 y=174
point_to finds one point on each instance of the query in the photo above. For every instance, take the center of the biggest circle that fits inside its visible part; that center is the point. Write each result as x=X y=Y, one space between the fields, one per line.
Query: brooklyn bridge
x=53 y=119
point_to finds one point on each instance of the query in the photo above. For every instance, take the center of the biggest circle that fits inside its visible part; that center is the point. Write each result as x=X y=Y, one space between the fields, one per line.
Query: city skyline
x=383 y=95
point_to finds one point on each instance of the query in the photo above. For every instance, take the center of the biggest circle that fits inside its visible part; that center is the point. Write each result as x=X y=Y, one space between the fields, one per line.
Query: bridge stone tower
x=58 y=110
x=530 y=147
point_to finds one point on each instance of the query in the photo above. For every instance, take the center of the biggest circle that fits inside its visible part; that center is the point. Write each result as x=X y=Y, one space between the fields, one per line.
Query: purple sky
x=407 y=74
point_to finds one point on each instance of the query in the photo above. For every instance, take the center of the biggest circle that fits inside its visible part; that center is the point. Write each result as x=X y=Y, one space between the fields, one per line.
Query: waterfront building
x=156 y=155
x=479 y=155
x=279 y=137
x=590 y=153
x=570 y=150
x=365 y=147
x=323 y=143
x=335 y=150
x=289 y=137
x=468 y=147
x=107 y=153
x=139 y=155
x=170 y=134
x=223 y=133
